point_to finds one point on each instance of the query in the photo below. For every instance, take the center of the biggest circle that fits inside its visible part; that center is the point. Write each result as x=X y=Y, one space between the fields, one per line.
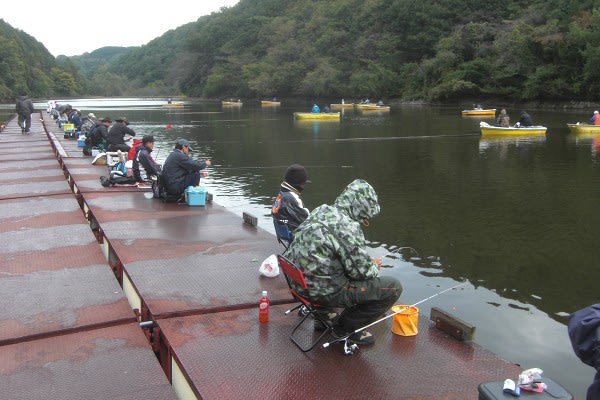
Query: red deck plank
x=231 y=355
x=186 y=259
x=109 y=363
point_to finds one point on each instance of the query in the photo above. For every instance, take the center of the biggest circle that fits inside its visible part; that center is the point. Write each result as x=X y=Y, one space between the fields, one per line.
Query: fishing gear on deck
x=350 y=349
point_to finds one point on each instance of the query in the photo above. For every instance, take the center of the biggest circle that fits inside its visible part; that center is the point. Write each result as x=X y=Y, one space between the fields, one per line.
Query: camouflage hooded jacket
x=329 y=246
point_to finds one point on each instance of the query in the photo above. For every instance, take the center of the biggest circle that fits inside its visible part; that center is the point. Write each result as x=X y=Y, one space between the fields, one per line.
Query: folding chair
x=284 y=236
x=307 y=308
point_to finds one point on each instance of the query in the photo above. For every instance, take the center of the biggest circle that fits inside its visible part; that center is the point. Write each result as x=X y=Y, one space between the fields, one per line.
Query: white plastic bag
x=269 y=267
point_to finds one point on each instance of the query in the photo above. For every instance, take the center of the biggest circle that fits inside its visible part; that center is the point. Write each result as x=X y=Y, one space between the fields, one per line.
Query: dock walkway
x=109 y=293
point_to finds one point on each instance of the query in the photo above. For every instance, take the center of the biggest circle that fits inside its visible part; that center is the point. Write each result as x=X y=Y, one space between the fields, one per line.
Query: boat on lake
x=340 y=106
x=317 y=116
x=270 y=103
x=585 y=129
x=371 y=107
x=479 y=112
x=232 y=103
x=174 y=104
x=487 y=129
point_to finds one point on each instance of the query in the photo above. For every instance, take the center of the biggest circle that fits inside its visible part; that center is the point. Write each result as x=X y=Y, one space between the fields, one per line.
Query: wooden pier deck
x=109 y=293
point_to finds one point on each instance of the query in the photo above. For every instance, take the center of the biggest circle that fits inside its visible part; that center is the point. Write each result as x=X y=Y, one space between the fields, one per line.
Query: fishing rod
x=349 y=349
x=220 y=166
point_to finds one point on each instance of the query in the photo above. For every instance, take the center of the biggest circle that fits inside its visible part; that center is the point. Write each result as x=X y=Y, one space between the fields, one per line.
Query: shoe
x=362 y=337
x=331 y=317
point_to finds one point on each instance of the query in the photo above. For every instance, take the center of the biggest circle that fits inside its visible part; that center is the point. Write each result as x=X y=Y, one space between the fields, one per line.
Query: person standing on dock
x=180 y=171
x=329 y=247
x=288 y=208
x=24 y=108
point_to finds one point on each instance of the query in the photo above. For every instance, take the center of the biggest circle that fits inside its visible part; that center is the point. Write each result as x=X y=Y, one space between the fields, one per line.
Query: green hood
x=358 y=201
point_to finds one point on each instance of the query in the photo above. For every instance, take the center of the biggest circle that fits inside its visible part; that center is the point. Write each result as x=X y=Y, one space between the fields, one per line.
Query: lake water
x=516 y=218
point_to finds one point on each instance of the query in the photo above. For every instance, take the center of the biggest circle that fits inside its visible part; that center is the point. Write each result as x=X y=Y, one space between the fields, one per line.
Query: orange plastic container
x=406 y=322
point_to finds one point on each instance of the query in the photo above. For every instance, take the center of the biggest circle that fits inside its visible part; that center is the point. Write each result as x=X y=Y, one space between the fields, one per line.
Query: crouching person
x=329 y=247
x=180 y=171
x=144 y=159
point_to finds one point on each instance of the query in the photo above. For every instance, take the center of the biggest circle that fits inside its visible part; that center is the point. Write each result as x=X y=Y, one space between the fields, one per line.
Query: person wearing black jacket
x=143 y=158
x=584 y=332
x=116 y=135
x=525 y=119
x=180 y=171
x=24 y=108
x=288 y=208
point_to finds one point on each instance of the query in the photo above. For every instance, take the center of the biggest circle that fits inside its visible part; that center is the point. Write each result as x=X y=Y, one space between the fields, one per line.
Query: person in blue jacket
x=180 y=171
x=584 y=332
x=316 y=108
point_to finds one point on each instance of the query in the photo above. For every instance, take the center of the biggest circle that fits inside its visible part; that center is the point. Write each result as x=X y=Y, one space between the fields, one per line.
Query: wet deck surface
x=82 y=265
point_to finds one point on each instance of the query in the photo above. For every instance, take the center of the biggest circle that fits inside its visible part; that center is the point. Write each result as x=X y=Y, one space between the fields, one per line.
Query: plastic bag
x=269 y=267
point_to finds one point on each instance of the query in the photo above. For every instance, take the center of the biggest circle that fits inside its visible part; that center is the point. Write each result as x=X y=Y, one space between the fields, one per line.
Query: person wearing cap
x=288 y=208
x=98 y=134
x=180 y=171
x=595 y=120
x=116 y=135
x=330 y=249
x=584 y=332
x=87 y=123
x=143 y=158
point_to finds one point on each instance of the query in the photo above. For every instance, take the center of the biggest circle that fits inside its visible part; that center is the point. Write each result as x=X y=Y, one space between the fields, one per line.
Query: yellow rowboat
x=311 y=115
x=269 y=103
x=371 y=107
x=232 y=103
x=585 y=129
x=487 y=129
x=479 y=112
x=340 y=106
x=177 y=104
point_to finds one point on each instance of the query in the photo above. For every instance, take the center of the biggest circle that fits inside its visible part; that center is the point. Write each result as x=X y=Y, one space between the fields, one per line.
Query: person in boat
x=584 y=333
x=143 y=158
x=180 y=171
x=380 y=103
x=503 y=119
x=595 y=120
x=330 y=248
x=326 y=109
x=315 y=108
x=116 y=135
x=288 y=208
x=525 y=120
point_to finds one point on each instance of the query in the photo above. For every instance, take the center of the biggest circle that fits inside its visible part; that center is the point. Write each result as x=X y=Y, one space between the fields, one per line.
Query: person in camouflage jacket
x=329 y=247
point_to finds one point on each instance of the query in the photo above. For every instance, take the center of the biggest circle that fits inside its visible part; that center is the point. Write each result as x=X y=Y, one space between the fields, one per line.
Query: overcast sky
x=86 y=25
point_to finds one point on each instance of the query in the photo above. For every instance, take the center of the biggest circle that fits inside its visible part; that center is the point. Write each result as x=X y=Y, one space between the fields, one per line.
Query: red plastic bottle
x=263 y=307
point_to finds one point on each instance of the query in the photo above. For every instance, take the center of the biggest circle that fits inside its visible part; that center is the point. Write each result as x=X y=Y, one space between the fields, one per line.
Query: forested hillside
x=409 y=49
x=433 y=50
x=27 y=66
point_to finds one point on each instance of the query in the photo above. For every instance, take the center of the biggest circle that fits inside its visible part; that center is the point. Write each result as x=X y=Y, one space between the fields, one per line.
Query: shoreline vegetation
x=539 y=53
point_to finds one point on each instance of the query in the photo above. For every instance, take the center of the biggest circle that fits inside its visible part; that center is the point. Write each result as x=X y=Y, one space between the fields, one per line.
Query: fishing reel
x=349 y=349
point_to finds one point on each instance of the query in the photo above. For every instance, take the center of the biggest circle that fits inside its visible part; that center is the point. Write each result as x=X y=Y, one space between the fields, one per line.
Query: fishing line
x=349 y=349
x=285 y=166
x=364 y=139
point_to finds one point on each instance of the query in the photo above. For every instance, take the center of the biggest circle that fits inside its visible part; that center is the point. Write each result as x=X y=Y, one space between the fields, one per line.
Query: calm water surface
x=516 y=218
